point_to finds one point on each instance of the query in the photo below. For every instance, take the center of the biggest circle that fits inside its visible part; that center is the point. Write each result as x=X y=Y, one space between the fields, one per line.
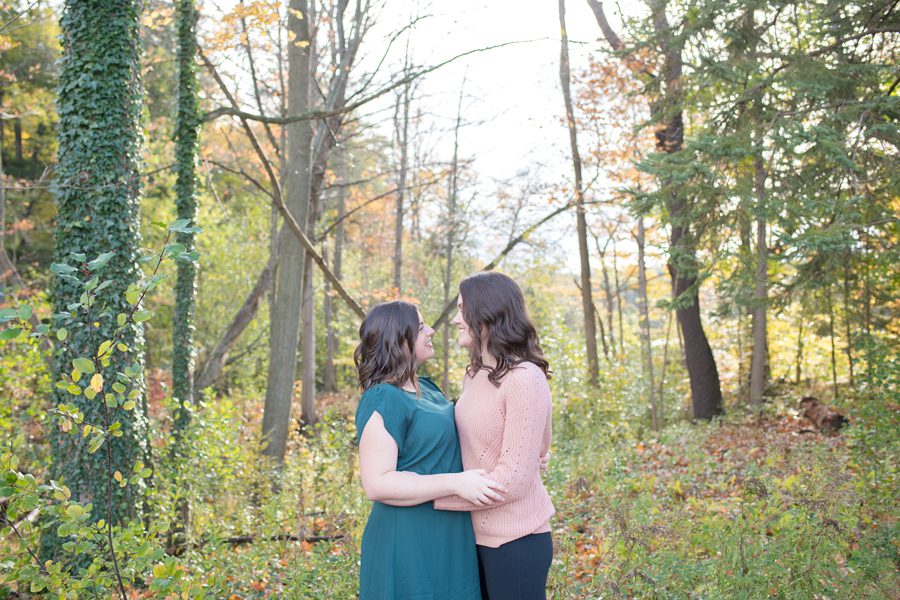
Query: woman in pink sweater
x=503 y=421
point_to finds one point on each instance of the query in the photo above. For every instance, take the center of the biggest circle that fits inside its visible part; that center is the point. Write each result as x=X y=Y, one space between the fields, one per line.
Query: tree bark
x=655 y=417
x=284 y=327
x=799 y=360
x=618 y=296
x=847 y=313
x=760 y=341
x=308 y=414
x=402 y=127
x=665 y=365
x=831 y=337
x=330 y=372
x=452 y=191
x=6 y=266
x=187 y=123
x=607 y=290
x=98 y=210
x=587 y=303
x=17 y=133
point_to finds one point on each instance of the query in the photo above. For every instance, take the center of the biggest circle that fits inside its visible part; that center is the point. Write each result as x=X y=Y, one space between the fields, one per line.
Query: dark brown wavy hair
x=493 y=302
x=387 y=340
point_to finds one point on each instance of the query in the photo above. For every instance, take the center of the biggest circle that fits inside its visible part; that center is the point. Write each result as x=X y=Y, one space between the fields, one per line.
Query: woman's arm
x=527 y=415
x=383 y=483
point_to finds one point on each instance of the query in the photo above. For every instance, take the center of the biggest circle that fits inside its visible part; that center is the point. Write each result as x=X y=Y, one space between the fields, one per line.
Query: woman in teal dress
x=408 y=456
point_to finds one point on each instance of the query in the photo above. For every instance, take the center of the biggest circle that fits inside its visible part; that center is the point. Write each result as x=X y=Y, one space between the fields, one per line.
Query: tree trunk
x=799 y=363
x=607 y=290
x=665 y=365
x=4 y=259
x=587 y=303
x=831 y=337
x=603 y=343
x=645 y=327
x=330 y=372
x=17 y=132
x=187 y=123
x=847 y=313
x=618 y=296
x=284 y=321
x=98 y=210
x=760 y=340
x=402 y=127
x=867 y=305
x=452 y=191
x=308 y=392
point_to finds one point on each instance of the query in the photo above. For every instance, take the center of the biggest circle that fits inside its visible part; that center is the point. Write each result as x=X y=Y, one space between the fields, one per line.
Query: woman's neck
x=408 y=386
x=487 y=359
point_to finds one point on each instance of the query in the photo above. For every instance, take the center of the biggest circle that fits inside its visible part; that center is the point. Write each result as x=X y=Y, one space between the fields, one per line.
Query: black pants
x=516 y=570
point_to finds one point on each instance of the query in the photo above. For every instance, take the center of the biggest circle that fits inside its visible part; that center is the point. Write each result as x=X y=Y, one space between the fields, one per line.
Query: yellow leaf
x=97 y=382
x=301 y=43
x=117 y=476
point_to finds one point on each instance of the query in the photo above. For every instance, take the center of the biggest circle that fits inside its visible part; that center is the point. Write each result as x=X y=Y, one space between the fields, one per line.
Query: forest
x=199 y=202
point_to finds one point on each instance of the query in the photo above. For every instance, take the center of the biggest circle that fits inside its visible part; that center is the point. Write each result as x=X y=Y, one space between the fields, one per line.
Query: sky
x=512 y=104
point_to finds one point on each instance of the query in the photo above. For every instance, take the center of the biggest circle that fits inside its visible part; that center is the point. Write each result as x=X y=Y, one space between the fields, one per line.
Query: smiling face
x=423 y=347
x=465 y=338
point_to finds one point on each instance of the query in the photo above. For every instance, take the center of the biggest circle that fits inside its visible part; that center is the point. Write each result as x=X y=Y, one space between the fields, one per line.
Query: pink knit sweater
x=505 y=430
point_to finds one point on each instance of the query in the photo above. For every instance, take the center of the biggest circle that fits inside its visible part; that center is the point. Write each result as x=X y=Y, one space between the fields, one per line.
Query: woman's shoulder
x=426 y=382
x=381 y=392
x=526 y=373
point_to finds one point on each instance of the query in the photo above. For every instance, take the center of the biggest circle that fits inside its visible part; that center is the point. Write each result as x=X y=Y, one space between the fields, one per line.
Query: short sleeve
x=389 y=403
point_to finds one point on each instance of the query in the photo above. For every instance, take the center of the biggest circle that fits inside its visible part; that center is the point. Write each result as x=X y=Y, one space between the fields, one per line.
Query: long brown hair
x=386 y=351
x=494 y=302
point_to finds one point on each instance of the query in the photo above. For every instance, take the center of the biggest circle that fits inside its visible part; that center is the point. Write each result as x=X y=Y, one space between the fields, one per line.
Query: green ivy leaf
x=62 y=268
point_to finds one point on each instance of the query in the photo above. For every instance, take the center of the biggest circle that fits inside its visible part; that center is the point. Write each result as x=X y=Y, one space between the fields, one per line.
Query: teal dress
x=417 y=552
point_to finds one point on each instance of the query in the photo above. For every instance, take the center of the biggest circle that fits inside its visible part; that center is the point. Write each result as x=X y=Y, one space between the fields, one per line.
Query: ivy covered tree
x=187 y=121
x=97 y=192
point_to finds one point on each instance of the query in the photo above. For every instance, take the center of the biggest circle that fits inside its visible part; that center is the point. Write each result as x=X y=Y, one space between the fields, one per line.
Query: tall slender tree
x=451 y=221
x=284 y=327
x=644 y=309
x=587 y=302
x=761 y=289
x=401 y=126
x=187 y=121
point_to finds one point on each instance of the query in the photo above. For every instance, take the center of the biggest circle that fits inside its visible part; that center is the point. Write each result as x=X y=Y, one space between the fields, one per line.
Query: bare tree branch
x=289 y=219
x=312 y=115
